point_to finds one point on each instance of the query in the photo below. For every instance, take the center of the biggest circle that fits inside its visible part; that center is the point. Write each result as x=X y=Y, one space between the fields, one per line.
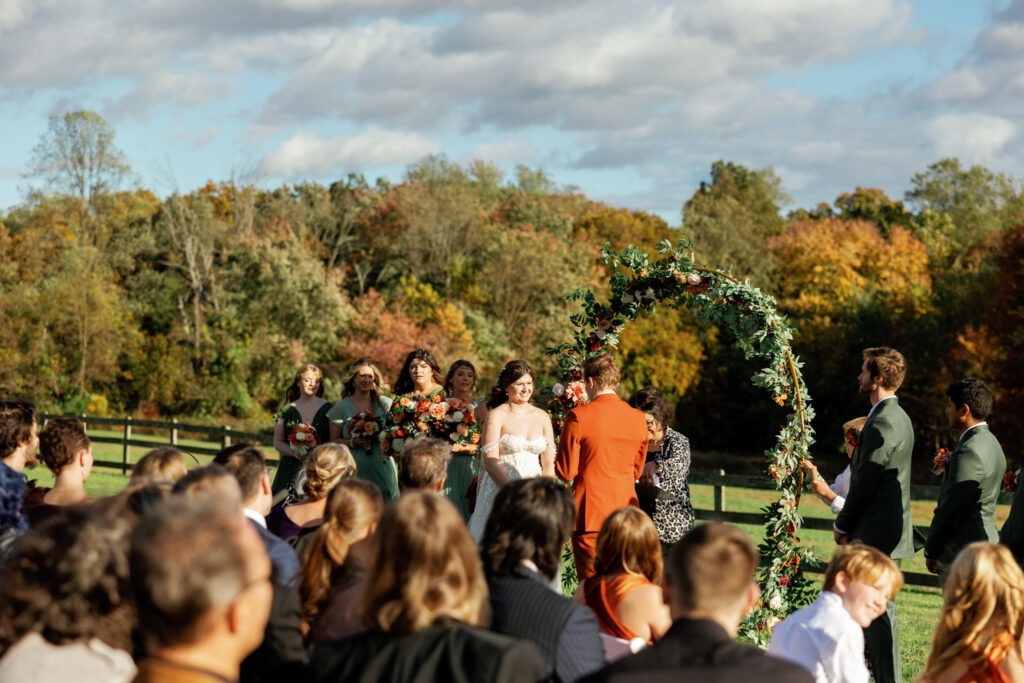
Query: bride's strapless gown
x=520 y=457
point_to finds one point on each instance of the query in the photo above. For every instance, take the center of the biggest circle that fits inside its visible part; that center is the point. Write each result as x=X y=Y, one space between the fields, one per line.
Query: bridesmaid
x=362 y=391
x=305 y=404
x=420 y=375
x=460 y=383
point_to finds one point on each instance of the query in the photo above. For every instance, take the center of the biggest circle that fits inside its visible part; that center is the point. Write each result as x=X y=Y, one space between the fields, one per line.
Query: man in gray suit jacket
x=877 y=509
x=970 y=485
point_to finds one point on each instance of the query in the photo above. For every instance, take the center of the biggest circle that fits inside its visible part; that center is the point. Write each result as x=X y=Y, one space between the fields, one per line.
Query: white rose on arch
x=775 y=602
x=558 y=390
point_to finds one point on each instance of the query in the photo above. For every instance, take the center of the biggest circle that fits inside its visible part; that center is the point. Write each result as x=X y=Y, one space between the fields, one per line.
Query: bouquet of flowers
x=365 y=425
x=940 y=461
x=1010 y=481
x=460 y=423
x=303 y=438
x=411 y=417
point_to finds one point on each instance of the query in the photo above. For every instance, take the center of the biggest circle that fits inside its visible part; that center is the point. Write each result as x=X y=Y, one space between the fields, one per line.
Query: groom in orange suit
x=601 y=451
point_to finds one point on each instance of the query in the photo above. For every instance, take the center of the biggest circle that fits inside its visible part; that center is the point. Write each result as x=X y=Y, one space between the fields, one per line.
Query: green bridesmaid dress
x=289 y=465
x=371 y=463
x=462 y=468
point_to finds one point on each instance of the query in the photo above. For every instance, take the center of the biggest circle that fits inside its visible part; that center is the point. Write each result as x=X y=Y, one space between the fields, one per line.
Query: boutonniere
x=1010 y=481
x=940 y=461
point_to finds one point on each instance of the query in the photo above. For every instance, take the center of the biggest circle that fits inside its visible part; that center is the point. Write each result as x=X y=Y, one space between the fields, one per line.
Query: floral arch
x=638 y=285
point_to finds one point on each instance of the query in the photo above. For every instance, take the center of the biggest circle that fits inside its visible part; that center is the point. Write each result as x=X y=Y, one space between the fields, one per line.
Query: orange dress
x=603 y=594
x=987 y=670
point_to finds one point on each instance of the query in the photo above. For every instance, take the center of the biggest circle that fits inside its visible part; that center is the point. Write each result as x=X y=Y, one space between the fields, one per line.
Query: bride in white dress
x=519 y=442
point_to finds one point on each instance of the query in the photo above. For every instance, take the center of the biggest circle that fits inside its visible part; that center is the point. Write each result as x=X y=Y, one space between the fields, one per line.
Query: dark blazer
x=700 y=650
x=282 y=556
x=564 y=631
x=967 y=499
x=454 y=653
x=877 y=509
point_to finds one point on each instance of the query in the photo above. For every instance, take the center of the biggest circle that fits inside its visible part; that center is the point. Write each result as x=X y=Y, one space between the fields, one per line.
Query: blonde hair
x=166 y=463
x=628 y=544
x=353 y=506
x=293 y=391
x=426 y=566
x=865 y=564
x=328 y=464
x=983 y=596
x=348 y=385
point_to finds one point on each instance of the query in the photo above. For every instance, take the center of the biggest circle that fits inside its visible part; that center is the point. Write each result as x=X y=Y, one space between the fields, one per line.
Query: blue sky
x=631 y=104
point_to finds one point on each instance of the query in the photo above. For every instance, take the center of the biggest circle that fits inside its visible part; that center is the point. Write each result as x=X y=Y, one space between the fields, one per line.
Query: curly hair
x=510 y=374
x=887 y=364
x=328 y=464
x=983 y=597
x=16 y=420
x=651 y=401
x=60 y=440
x=404 y=385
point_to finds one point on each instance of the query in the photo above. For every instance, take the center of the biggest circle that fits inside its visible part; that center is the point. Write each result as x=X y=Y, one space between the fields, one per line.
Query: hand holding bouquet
x=460 y=424
x=303 y=438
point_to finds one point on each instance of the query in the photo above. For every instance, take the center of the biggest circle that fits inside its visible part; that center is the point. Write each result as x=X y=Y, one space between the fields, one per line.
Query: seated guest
x=425 y=606
x=211 y=480
x=67 y=452
x=827 y=636
x=834 y=495
x=201 y=581
x=530 y=521
x=979 y=633
x=326 y=465
x=18 y=441
x=166 y=463
x=336 y=561
x=625 y=592
x=423 y=465
x=709 y=588
x=65 y=607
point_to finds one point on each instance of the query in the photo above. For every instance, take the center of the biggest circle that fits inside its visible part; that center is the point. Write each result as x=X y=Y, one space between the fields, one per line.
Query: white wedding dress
x=520 y=457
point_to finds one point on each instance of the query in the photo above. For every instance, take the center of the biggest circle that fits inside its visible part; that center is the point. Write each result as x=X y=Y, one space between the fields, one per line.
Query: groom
x=601 y=451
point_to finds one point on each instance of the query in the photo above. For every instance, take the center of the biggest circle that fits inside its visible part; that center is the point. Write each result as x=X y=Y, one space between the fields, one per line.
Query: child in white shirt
x=827 y=636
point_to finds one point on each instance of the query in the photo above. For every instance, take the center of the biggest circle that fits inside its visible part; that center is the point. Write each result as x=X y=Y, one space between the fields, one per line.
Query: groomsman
x=1012 y=533
x=972 y=480
x=877 y=509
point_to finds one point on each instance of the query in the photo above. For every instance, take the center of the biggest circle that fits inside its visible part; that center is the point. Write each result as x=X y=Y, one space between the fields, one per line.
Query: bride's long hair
x=510 y=374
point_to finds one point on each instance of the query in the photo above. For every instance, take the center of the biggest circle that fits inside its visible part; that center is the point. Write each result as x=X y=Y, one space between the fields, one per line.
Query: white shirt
x=969 y=429
x=824 y=639
x=841 y=487
x=255 y=516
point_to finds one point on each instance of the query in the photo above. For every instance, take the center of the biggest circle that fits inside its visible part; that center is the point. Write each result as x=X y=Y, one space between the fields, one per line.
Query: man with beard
x=19 y=437
x=877 y=509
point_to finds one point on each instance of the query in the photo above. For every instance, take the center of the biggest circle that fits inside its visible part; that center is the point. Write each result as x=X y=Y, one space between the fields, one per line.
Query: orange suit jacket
x=602 y=451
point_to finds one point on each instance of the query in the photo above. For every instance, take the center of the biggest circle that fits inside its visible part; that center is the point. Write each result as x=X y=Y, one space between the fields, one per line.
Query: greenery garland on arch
x=638 y=285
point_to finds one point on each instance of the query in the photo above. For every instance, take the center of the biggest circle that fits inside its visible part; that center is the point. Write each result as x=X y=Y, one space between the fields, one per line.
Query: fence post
x=85 y=425
x=127 y=438
x=174 y=431
x=720 y=493
x=225 y=439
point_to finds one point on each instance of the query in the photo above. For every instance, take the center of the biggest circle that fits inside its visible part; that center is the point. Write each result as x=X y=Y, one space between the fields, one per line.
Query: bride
x=518 y=440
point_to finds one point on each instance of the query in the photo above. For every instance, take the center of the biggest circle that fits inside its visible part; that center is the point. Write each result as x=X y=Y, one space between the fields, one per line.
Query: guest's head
x=63 y=444
x=19 y=434
x=214 y=481
x=309 y=380
x=423 y=464
x=515 y=383
x=350 y=519
x=69 y=581
x=531 y=519
x=865 y=578
x=327 y=464
x=851 y=434
x=983 y=597
x=201 y=581
x=426 y=568
x=419 y=371
x=600 y=373
x=166 y=463
x=461 y=378
x=883 y=368
x=970 y=402
x=711 y=576
x=656 y=409
x=628 y=544
x=363 y=375
x=249 y=468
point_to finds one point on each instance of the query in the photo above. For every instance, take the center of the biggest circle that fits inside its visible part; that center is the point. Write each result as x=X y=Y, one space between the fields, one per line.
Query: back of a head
x=603 y=370
x=865 y=564
x=211 y=480
x=166 y=463
x=423 y=464
x=60 y=440
x=16 y=420
x=628 y=543
x=983 y=596
x=69 y=581
x=328 y=464
x=887 y=364
x=185 y=562
x=247 y=465
x=651 y=400
x=531 y=519
x=426 y=566
x=974 y=394
x=711 y=568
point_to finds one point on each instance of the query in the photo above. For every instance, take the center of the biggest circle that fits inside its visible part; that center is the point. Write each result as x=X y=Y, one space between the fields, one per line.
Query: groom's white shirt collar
x=970 y=428
x=603 y=392
x=870 y=412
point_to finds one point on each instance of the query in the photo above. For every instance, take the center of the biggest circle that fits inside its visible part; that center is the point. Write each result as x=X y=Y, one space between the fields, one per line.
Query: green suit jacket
x=877 y=509
x=967 y=500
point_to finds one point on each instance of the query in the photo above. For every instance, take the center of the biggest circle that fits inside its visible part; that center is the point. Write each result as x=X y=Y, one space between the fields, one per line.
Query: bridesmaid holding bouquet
x=459 y=385
x=301 y=426
x=357 y=421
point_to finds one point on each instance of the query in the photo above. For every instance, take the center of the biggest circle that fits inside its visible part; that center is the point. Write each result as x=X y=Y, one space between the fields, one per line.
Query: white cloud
x=310 y=153
x=971 y=137
x=513 y=150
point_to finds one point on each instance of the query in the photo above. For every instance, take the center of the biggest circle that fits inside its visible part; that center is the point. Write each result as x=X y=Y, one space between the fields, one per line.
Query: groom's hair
x=887 y=364
x=972 y=393
x=711 y=568
x=603 y=369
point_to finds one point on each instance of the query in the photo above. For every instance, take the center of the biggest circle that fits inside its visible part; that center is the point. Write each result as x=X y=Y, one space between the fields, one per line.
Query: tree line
x=204 y=303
